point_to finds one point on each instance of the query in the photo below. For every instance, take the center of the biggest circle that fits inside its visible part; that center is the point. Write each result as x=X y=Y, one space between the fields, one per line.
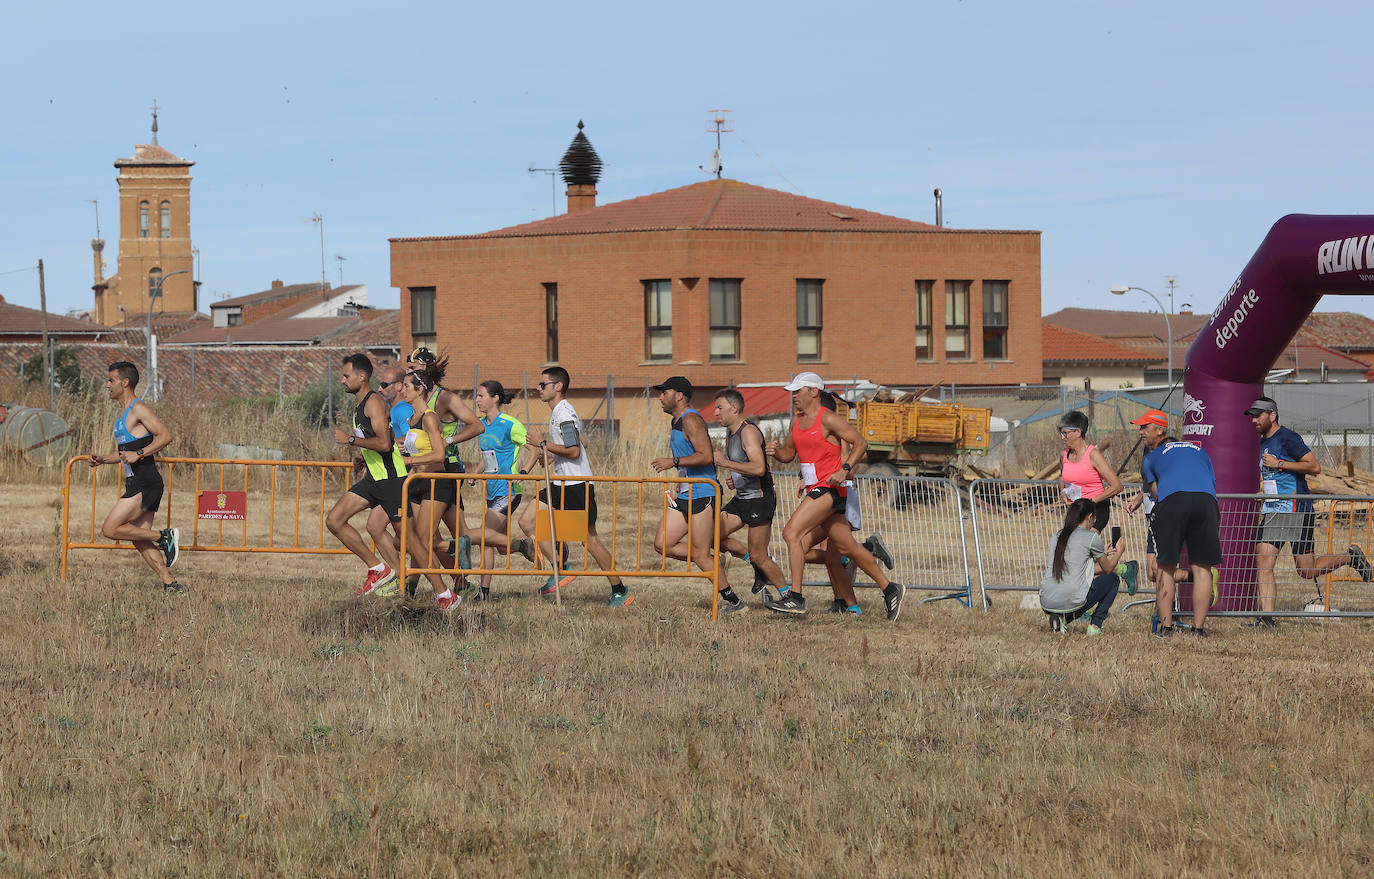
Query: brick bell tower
x=154 y=236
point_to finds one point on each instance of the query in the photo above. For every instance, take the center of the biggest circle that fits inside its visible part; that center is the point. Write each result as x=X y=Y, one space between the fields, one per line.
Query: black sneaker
x=412 y=584
x=173 y=588
x=1360 y=562
x=837 y=606
x=729 y=606
x=169 y=544
x=1262 y=623
x=1201 y=633
x=1164 y=631
x=526 y=549
x=483 y=594
x=875 y=545
x=892 y=599
x=760 y=581
x=792 y=602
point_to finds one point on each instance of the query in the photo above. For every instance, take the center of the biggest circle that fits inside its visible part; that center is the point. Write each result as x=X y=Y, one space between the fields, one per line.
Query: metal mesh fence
x=919 y=519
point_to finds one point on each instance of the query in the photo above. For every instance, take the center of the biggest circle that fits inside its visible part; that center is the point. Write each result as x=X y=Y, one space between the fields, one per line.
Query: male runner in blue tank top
x=692 y=514
x=140 y=435
x=380 y=488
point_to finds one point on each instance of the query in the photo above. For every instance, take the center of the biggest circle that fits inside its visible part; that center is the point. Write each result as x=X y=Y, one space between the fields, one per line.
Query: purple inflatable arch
x=1301 y=259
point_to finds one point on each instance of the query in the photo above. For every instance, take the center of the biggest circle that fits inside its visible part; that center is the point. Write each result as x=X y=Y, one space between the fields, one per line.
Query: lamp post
x=1168 y=327
x=157 y=292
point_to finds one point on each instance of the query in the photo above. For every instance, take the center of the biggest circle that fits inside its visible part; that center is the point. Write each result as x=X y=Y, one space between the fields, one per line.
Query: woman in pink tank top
x=1084 y=472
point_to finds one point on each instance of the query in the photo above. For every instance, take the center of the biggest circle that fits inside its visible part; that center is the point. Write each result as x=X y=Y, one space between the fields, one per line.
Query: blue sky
x=1143 y=140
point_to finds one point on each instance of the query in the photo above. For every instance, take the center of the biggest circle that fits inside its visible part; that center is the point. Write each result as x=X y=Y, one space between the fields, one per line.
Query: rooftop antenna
x=719 y=120
x=1172 y=281
x=97 y=218
x=553 y=185
x=341 y=259
x=324 y=277
x=154 y=121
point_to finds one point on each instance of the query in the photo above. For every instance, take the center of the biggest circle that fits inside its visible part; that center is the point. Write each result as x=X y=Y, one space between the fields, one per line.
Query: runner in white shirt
x=564 y=444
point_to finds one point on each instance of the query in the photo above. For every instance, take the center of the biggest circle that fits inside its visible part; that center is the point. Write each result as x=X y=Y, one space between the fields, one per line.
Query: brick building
x=725 y=282
x=154 y=237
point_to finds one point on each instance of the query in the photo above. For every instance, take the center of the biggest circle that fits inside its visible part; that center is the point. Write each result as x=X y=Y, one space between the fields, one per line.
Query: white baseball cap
x=805 y=380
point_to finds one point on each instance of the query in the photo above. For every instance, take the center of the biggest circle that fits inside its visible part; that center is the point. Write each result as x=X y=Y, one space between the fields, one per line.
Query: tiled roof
x=272 y=330
x=152 y=154
x=1309 y=358
x=1124 y=325
x=760 y=401
x=1343 y=330
x=275 y=293
x=16 y=319
x=208 y=372
x=1062 y=345
x=711 y=205
x=378 y=328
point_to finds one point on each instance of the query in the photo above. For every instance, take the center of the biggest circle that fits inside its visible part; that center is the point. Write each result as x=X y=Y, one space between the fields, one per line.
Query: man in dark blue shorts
x=1180 y=477
x=1285 y=463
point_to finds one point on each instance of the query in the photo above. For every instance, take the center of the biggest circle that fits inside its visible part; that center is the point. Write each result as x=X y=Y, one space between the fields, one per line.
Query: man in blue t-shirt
x=1180 y=477
x=1285 y=463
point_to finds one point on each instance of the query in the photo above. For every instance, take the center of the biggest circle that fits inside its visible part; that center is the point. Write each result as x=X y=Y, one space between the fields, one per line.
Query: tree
x=66 y=370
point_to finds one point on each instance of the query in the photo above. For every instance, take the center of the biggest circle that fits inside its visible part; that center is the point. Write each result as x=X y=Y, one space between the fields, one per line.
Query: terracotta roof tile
x=269 y=331
x=1123 y=325
x=711 y=205
x=273 y=294
x=1063 y=345
x=16 y=319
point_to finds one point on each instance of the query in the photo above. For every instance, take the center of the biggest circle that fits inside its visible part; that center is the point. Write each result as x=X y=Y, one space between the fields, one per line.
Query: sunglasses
x=1068 y=430
x=542 y=385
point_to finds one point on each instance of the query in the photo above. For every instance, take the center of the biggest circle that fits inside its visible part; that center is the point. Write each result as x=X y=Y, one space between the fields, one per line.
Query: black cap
x=676 y=383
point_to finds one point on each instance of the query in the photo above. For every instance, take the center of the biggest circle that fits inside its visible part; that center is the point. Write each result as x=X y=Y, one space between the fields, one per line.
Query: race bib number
x=1270 y=486
x=489 y=461
x=808 y=474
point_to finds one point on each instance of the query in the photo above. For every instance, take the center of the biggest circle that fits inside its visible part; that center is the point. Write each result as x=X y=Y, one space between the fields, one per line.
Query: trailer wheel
x=893 y=491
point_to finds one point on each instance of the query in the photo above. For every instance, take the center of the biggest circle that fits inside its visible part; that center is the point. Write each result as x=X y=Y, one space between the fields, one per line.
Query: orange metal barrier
x=1349 y=520
x=564 y=527
x=215 y=475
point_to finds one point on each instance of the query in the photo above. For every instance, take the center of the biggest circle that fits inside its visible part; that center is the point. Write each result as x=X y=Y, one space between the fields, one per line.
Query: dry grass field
x=266 y=724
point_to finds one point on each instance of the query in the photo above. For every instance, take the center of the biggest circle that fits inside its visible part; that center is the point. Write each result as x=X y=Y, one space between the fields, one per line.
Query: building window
x=143 y=219
x=956 y=320
x=925 y=328
x=154 y=283
x=234 y=319
x=725 y=318
x=551 y=323
x=809 y=318
x=658 y=320
x=166 y=220
x=422 y=330
x=995 y=319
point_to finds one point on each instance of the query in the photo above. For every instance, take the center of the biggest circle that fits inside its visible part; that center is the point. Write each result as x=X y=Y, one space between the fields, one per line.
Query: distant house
x=20 y=324
x=295 y=314
x=1073 y=358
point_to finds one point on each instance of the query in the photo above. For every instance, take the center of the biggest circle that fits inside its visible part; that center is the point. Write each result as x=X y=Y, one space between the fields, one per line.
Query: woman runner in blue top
x=502 y=440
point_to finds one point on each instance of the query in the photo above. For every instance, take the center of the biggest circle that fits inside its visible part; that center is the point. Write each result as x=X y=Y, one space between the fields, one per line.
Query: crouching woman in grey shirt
x=1081 y=574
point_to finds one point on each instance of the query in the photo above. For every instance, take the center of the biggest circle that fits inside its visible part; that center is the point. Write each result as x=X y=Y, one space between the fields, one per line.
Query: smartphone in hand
x=1116 y=534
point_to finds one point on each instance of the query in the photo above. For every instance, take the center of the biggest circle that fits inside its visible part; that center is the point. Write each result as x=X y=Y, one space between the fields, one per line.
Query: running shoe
x=875 y=545
x=483 y=593
x=550 y=586
x=793 y=602
x=760 y=581
x=389 y=590
x=1057 y=623
x=412 y=584
x=1201 y=633
x=1360 y=562
x=375 y=580
x=170 y=545
x=464 y=552
x=1262 y=623
x=469 y=592
x=448 y=601
x=526 y=548
x=728 y=606
x=1130 y=572
x=1164 y=631
x=892 y=599
x=1094 y=629
x=173 y=588
x=837 y=606
x=621 y=599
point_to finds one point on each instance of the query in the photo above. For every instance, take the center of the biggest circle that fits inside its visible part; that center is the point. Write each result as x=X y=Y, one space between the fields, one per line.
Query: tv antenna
x=341 y=260
x=1172 y=281
x=719 y=119
x=553 y=185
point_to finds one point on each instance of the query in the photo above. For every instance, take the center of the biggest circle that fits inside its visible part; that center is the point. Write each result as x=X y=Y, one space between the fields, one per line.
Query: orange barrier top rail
x=570 y=526
x=223 y=495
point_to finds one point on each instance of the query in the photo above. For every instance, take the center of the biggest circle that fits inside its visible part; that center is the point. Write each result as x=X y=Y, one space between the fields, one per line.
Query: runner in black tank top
x=755 y=502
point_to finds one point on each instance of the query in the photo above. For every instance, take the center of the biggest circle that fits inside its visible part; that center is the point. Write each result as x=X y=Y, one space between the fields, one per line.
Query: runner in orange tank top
x=814 y=441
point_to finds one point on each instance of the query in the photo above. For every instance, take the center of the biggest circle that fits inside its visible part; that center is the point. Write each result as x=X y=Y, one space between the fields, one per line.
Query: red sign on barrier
x=228 y=505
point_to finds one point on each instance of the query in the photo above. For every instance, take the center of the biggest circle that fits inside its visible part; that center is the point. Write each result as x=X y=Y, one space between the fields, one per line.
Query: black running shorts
x=145 y=481
x=445 y=490
x=695 y=505
x=838 y=502
x=754 y=511
x=578 y=496
x=1191 y=519
x=384 y=493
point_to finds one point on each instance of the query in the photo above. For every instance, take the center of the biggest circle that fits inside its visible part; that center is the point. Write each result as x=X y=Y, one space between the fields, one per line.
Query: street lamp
x=153 y=297
x=1168 y=328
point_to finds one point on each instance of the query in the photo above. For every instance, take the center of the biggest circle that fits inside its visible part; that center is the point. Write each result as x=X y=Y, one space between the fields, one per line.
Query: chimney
x=277 y=285
x=581 y=169
x=939 y=208
x=97 y=248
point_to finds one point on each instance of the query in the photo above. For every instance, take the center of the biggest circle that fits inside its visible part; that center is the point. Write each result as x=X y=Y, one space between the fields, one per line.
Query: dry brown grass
x=264 y=724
